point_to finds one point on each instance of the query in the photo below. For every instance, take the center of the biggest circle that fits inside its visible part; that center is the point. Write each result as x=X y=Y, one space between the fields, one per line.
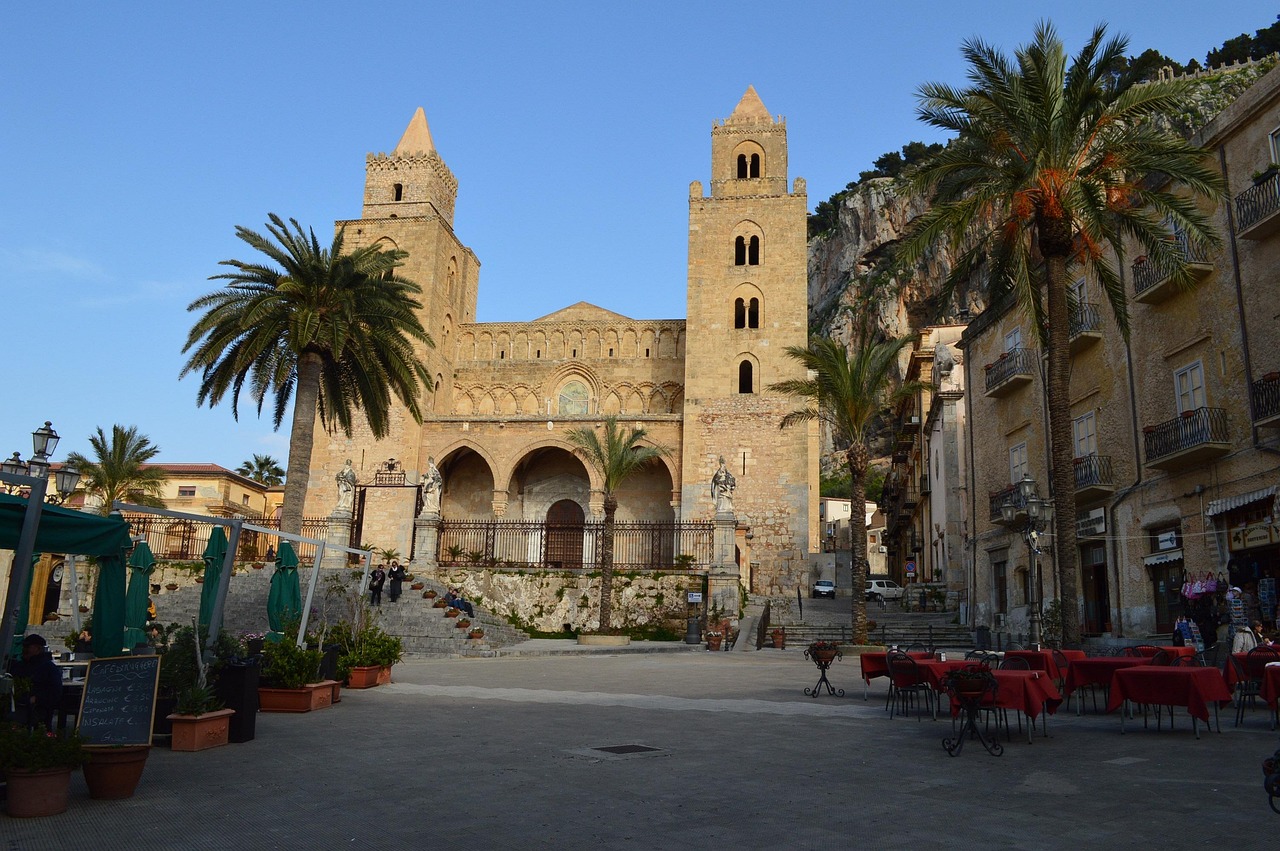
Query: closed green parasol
x=24 y=612
x=136 y=599
x=284 y=602
x=215 y=552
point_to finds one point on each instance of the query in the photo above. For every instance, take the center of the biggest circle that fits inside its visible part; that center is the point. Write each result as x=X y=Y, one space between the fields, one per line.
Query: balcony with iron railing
x=1094 y=479
x=1010 y=371
x=1265 y=396
x=1192 y=438
x=1086 y=326
x=924 y=484
x=1009 y=495
x=1258 y=207
x=1153 y=281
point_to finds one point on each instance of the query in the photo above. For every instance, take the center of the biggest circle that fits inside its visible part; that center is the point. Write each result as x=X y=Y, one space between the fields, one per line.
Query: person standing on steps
x=376 y=580
x=396 y=575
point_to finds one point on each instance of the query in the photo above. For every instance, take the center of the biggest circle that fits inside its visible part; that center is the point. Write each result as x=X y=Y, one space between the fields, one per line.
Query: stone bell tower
x=747 y=302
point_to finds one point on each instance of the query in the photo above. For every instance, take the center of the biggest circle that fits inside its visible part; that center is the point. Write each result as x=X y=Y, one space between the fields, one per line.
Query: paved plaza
x=504 y=753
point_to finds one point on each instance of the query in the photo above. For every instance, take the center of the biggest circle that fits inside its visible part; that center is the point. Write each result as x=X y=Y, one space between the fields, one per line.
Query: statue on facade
x=346 y=479
x=723 y=485
x=432 y=485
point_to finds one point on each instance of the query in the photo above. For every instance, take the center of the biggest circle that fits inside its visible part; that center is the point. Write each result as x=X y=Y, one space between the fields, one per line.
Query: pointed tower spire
x=417 y=136
x=750 y=109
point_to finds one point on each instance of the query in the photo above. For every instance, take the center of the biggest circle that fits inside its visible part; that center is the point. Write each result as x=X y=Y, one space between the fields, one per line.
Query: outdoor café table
x=1243 y=659
x=1271 y=687
x=876 y=664
x=1158 y=685
x=1097 y=672
x=1028 y=692
x=932 y=671
x=1042 y=660
x=1172 y=651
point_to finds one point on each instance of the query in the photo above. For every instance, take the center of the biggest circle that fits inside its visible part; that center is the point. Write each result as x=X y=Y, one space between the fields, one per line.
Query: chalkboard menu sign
x=119 y=700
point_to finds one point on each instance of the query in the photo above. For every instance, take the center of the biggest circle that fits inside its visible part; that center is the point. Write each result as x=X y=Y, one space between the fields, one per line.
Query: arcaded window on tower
x=573 y=399
x=739 y=313
x=743 y=166
x=753 y=251
x=746 y=377
x=755 y=165
x=753 y=313
x=399 y=191
x=739 y=251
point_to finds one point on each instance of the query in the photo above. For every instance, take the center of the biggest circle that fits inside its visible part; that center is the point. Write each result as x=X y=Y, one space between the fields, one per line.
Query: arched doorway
x=565 y=520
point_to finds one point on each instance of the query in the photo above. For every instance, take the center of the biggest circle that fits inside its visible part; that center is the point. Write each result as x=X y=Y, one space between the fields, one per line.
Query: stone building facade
x=1176 y=429
x=506 y=393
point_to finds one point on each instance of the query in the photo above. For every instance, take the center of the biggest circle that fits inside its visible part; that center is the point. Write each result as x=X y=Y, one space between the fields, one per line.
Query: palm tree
x=331 y=331
x=616 y=456
x=847 y=392
x=1055 y=166
x=263 y=469
x=119 y=470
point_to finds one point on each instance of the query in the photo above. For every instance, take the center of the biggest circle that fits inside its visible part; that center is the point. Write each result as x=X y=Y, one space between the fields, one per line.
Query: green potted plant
x=970 y=681
x=288 y=675
x=199 y=720
x=37 y=766
x=823 y=652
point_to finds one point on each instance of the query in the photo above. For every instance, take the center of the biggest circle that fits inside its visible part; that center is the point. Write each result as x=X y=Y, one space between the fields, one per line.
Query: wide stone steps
x=423 y=629
x=934 y=630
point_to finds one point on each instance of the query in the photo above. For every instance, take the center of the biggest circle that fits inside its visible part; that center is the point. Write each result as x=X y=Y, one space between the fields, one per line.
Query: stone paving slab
x=503 y=753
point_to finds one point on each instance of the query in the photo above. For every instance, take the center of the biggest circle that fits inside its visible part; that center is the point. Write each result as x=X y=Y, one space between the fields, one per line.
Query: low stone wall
x=547 y=600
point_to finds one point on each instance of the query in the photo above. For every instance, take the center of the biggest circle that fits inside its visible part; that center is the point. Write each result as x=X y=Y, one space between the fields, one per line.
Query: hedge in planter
x=288 y=676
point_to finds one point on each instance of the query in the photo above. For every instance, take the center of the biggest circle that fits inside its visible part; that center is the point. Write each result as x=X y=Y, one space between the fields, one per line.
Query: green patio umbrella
x=24 y=611
x=137 y=597
x=284 y=602
x=108 y=607
x=214 y=554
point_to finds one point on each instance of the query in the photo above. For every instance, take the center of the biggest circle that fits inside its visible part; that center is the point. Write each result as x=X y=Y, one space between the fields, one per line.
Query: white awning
x=1218 y=506
x=1162 y=558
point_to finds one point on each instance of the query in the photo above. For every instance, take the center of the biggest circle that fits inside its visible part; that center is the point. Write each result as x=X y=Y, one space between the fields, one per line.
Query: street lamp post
x=1031 y=517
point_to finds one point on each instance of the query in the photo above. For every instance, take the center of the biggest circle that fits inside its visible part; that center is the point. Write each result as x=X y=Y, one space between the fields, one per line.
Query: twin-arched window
x=748 y=166
x=746 y=313
x=746 y=251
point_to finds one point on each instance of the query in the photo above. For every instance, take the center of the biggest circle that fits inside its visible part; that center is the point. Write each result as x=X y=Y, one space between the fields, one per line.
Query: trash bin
x=237 y=688
x=329 y=662
x=983 y=638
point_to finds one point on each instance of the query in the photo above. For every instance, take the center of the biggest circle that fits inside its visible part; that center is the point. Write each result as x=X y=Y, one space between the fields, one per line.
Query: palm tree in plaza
x=331 y=331
x=119 y=469
x=262 y=469
x=1057 y=166
x=847 y=390
x=616 y=454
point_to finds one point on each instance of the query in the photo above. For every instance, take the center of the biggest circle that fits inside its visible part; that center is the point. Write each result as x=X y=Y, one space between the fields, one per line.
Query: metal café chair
x=1249 y=674
x=906 y=685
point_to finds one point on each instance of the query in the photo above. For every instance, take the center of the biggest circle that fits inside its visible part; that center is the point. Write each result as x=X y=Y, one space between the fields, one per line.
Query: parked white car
x=883 y=589
x=824 y=588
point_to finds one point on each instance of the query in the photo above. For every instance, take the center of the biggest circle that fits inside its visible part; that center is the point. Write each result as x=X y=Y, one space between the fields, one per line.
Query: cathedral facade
x=506 y=393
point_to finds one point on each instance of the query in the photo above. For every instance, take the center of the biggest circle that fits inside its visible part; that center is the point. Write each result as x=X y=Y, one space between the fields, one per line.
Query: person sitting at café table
x=1247 y=638
x=36 y=705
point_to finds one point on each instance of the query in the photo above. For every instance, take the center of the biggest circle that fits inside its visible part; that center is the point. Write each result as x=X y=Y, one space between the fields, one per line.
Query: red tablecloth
x=1271 y=685
x=1042 y=660
x=876 y=664
x=1171 y=650
x=1097 y=672
x=1243 y=658
x=932 y=671
x=1029 y=692
x=1194 y=688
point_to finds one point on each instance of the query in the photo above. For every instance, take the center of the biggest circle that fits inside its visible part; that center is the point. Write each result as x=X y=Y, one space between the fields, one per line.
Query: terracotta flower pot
x=463 y=624
x=112 y=773
x=285 y=699
x=200 y=580
x=452 y=613
x=714 y=642
x=257 y=565
x=430 y=593
x=438 y=604
x=363 y=676
x=476 y=633
x=384 y=675
x=38 y=793
x=779 y=639
x=172 y=586
x=200 y=732
x=418 y=586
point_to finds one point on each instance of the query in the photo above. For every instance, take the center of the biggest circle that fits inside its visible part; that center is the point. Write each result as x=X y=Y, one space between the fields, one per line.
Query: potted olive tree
x=37 y=766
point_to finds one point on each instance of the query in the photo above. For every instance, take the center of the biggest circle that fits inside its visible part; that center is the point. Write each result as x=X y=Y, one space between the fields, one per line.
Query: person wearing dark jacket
x=396 y=575
x=377 y=579
x=37 y=703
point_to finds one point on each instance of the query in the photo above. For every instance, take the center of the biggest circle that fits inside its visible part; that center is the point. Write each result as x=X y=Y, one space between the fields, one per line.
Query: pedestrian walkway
x=647 y=750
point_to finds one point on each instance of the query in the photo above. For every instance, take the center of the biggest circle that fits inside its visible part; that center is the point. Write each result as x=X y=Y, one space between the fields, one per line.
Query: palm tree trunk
x=606 y=564
x=302 y=433
x=857 y=458
x=1061 y=450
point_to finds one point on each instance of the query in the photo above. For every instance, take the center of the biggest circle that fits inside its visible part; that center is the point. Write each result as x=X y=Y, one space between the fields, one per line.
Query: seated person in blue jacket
x=454 y=598
x=37 y=696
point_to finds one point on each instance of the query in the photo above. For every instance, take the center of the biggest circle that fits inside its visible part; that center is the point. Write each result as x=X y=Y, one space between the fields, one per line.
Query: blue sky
x=135 y=136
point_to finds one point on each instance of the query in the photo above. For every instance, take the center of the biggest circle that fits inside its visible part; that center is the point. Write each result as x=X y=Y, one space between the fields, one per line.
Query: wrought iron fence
x=636 y=545
x=1193 y=428
x=173 y=539
x=1084 y=318
x=1148 y=273
x=1258 y=201
x=1009 y=495
x=1266 y=396
x=1093 y=471
x=1011 y=363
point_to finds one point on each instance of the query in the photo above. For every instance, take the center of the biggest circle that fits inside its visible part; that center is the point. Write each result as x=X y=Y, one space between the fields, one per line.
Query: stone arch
x=677 y=402
x=748 y=160
x=591 y=345
x=611 y=404
x=506 y=401
x=486 y=404
x=628 y=345
x=463 y=404
x=747 y=306
x=666 y=343
x=747 y=244
x=746 y=374
x=468 y=472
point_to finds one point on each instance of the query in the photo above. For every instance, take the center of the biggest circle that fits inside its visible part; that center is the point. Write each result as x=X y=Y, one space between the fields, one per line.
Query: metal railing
x=1265 y=393
x=184 y=540
x=1148 y=272
x=1084 y=318
x=1011 y=363
x=1257 y=202
x=514 y=543
x=1093 y=471
x=1191 y=429
x=999 y=498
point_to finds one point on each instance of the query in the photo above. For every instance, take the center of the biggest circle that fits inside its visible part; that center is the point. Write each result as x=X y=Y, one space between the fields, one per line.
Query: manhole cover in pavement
x=621 y=749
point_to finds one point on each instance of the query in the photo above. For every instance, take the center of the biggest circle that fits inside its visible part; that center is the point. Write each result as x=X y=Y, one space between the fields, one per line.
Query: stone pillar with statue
x=339 y=531
x=426 y=526
x=723 y=585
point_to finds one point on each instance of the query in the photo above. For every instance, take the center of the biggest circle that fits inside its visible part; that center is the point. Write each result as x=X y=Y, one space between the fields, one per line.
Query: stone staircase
x=424 y=630
x=900 y=628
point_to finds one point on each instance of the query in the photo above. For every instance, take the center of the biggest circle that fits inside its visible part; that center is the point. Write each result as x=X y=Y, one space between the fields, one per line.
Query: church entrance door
x=565 y=521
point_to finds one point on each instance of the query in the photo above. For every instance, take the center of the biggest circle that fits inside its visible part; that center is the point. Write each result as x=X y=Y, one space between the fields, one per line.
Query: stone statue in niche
x=346 y=479
x=432 y=485
x=723 y=485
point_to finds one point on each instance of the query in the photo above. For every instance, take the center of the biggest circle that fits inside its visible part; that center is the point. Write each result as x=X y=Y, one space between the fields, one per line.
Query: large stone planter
x=597 y=640
x=112 y=773
x=200 y=732
x=31 y=794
